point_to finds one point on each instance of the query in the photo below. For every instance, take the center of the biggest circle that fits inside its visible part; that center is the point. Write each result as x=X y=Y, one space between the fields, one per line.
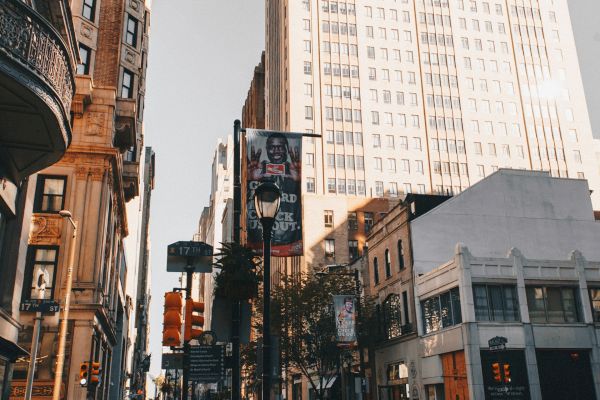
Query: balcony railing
x=30 y=40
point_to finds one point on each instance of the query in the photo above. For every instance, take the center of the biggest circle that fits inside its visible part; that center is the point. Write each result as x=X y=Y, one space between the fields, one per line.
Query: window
x=375 y=271
x=308 y=112
x=552 y=304
x=388 y=264
x=379 y=188
x=353 y=249
x=331 y=185
x=132 y=31
x=330 y=248
x=595 y=302
x=310 y=185
x=308 y=68
x=368 y=221
x=400 y=255
x=127 y=84
x=89 y=9
x=328 y=216
x=496 y=303
x=50 y=193
x=392 y=316
x=441 y=311
x=85 y=54
x=41 y=268
x=352 y=221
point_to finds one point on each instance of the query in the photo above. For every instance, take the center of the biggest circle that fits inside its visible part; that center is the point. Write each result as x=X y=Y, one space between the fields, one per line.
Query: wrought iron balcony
x=37 y=83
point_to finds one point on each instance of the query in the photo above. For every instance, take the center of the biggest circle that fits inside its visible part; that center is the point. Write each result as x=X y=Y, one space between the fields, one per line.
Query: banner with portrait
x=344 y=307
x=275 y=157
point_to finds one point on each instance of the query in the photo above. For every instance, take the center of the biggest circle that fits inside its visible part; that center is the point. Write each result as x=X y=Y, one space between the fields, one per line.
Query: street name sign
x=195 y=255
x=172 y=361
x=41 y=305
x=207 y=363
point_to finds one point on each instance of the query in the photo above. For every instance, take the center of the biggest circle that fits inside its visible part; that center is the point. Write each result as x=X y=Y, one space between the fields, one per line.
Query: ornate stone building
x=96 y=177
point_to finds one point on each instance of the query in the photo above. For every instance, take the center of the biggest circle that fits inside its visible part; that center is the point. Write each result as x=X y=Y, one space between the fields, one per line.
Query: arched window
x=400 y=255
x=392 y=316
x=375 y=271
x=388 y=264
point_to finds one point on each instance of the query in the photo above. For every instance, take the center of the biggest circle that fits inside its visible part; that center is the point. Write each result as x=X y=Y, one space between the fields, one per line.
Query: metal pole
x=60 y=358
x=186 y=343
x=34 y=351
x=236 y=309
x=267 y=225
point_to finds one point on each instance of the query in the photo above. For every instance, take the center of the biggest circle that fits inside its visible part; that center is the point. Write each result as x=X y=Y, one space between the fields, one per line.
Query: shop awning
x=11 y=350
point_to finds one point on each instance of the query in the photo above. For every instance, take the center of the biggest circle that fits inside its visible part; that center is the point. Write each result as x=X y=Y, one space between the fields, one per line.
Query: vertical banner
x=345 y=319
x=276 y=157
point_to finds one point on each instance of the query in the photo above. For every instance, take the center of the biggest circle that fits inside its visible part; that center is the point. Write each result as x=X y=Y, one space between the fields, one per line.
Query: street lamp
x=267 y=197
x=62 y=335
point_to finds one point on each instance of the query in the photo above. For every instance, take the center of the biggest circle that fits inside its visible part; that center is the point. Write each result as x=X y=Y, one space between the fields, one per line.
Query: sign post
x=188 y=257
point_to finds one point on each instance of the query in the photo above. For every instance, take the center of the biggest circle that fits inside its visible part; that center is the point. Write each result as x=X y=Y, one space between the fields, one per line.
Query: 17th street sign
x=195 y=255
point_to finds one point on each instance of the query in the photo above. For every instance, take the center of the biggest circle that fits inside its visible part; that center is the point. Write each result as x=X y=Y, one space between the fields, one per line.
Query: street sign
x=172 y=361
x=41 y=305
x=197 y=255
x=497 y=343
x=207 y=363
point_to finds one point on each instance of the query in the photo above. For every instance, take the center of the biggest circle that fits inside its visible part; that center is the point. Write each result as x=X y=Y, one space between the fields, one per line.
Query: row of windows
x=127 y=78
x=478 y=45
x=505 y=150
x=391 y=165
x=338 y=28
x=438 y=59
x=448 y=145
x=448 y=123
x=337 y=48
x=338 y=70
x=346 y=186
x=434 y=19
x=401 y=119
x=341 y=114
x=335 y=7
x=349 y=161
x=509 y=87
x=485 y=106
x=339 y=137
x=352 y=220
x=388 y=262
x=485 y=7
x=398 y=76
x=383 y=34
x=347 y=92
x=480 y=65
x=489 y=26
x=390 y=142
x=380 y=13
x=353 y=251
x=487 y=127
x=449 y=102
x=450 y=168
x=384 y=54
x=441 y=80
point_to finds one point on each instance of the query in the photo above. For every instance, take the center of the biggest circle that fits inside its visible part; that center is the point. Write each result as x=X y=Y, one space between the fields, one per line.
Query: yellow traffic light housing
x=95 y=374
x=193 y=323
x=496 y=372
x=172 y=319
x=84 y=370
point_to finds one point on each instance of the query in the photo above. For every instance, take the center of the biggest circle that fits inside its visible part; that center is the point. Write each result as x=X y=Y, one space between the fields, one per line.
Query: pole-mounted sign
x=181 y=256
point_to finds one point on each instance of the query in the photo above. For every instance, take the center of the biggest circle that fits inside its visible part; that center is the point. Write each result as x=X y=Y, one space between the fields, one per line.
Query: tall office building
x=423 y=96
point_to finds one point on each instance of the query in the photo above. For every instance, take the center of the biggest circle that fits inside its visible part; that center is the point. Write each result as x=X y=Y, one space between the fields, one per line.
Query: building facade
x=95 y=178
x=425 y=97
x=501 y=294
x=38 y=53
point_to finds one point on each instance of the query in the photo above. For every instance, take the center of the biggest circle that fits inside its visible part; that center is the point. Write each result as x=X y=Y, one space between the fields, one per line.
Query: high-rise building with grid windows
x=424 y=96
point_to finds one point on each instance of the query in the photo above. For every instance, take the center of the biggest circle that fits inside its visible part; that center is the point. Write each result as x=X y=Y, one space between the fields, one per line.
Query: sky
x=201 y=61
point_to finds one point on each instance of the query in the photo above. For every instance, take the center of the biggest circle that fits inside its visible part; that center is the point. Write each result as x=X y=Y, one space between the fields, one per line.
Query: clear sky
x=201 y=60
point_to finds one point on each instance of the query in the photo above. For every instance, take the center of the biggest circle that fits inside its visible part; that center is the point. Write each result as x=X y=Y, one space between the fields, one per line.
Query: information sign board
x=207 y=363
x=172 y=361
x=41 y=305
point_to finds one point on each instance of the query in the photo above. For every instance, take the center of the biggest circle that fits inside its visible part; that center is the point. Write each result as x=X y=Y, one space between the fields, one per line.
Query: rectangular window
x=368 y=221
x=40 y=274
x=553 y=304
x=89 y=9
x=353 y=249
x=328 y=217
x=85 y=54
x=50 y=194
x=127 y=84
x=352 y=221
x=595 y=302
x=310 y=185
x=496 y=303
x=330 y=248
x=441 y=311
x=132 y=31
x=331 y=185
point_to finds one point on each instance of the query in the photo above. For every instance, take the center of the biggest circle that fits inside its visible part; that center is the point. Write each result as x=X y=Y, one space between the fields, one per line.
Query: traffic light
x=496 y=372
x=172 y=319
x=84 y=370
x=95 y=374
x=193 y=323
x=507 y=373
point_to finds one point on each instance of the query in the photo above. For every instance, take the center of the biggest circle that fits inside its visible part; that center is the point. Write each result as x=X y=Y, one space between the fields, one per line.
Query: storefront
x=397 y=383
x=505 y=375
x=565 y=374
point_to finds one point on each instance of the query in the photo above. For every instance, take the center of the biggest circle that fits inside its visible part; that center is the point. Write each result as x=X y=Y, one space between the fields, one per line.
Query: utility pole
x=237 y=306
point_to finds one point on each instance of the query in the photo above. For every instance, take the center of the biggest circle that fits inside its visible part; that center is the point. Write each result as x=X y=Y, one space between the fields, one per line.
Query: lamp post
x=62 y=335
x=267 y=198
